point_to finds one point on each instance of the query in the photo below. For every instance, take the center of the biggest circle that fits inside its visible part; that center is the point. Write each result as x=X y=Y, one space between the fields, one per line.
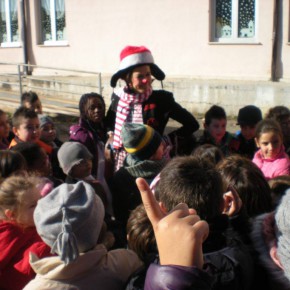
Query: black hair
x=214 y=112
x=22 y=113
x=29 y=97
x=84 y=100
x=193 y=181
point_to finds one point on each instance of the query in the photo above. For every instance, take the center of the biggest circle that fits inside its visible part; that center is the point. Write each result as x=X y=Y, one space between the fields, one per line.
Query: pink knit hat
x=133 y=56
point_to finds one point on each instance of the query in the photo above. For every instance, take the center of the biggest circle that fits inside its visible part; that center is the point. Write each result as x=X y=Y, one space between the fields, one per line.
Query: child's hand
x=179 y=235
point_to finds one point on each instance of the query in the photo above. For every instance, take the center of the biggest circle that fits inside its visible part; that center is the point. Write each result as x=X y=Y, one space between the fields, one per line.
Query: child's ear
x=228 y=199
x=257 y=143
x=9 y=214
x=232 y=203
x=15 y=131
x=275 y=258
x=163 y=208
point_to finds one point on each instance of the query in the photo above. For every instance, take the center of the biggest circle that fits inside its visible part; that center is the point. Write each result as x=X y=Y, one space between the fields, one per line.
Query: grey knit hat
x=44 y=119
x=282 y=218
x=139 y=140
x=70 y=154
x=69 y=219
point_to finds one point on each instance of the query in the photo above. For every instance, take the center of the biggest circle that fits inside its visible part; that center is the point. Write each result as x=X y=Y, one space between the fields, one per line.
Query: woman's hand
x=179 y=234
x=109 y=150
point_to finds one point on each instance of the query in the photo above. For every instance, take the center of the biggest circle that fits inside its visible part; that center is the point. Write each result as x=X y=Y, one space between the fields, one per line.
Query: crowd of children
x=80 y=214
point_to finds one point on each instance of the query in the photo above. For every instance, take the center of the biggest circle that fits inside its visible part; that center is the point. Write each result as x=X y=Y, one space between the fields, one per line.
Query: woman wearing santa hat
x=137 y=102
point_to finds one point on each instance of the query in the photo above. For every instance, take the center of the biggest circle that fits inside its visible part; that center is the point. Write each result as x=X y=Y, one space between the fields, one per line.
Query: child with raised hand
x=4 y=130
x=271 y=157
x=179 y=236
x=18 y=236
x=197 y=183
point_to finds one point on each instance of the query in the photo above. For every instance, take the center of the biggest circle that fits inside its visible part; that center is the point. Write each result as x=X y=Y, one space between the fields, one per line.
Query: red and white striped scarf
x=124 y=105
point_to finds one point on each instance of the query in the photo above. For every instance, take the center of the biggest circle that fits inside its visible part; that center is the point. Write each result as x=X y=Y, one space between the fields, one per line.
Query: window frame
x=52 y=42
x=235 y=39
x=10 y=42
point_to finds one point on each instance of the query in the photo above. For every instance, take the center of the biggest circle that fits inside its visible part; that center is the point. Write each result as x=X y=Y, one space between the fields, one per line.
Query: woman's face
x=141 y=79
x=95 y=110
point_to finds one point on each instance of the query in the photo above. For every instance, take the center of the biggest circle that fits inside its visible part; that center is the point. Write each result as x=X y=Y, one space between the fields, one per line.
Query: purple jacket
x=177 y=278
x=273 y=167
x=85 y=134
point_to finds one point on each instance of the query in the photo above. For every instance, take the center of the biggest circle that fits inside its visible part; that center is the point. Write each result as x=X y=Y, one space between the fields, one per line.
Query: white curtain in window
x=59 y=7
x=46 y=5
x=2 y=10
x=13 y=9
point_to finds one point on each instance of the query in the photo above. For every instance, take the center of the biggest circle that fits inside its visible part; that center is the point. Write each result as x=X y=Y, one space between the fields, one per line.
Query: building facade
x=229 y=52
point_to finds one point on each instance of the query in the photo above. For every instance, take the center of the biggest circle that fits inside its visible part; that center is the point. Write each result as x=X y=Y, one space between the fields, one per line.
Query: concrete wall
x=198 y=95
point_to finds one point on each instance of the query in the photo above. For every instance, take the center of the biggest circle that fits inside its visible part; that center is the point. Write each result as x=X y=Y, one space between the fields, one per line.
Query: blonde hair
x=14 y=192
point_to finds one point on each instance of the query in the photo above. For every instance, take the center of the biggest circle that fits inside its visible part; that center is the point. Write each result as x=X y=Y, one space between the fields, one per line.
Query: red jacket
x=15 y=246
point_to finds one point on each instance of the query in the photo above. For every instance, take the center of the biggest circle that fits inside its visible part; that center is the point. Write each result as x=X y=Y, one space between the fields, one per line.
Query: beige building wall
x=177 y=33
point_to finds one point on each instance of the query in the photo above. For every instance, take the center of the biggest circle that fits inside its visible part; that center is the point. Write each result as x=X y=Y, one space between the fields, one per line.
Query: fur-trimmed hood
x=263 y=238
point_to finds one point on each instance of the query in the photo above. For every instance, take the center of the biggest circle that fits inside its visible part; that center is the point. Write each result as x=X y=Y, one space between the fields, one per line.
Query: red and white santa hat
x=133 y=56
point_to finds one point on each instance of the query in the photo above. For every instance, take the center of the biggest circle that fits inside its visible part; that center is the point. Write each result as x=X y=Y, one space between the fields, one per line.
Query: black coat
x=157 y=110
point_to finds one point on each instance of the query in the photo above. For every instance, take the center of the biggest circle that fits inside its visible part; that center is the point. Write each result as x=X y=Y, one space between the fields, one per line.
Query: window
x=9 y=32
x=235 y=20
x=53 y=29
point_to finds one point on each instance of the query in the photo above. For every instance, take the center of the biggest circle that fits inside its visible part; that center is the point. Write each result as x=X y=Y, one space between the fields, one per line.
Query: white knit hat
x=133 y=56
x=282 y=218
x=69 y=219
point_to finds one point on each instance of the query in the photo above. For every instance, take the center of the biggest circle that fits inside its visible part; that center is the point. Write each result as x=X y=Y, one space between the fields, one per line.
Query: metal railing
x=52 y=80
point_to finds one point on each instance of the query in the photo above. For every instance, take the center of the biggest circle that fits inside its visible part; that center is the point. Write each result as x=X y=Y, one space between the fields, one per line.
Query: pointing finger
x=151 y=206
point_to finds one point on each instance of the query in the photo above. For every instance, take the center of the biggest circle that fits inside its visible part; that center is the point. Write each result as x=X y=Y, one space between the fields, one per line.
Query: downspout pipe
x=275 y=47
x=24 y=36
